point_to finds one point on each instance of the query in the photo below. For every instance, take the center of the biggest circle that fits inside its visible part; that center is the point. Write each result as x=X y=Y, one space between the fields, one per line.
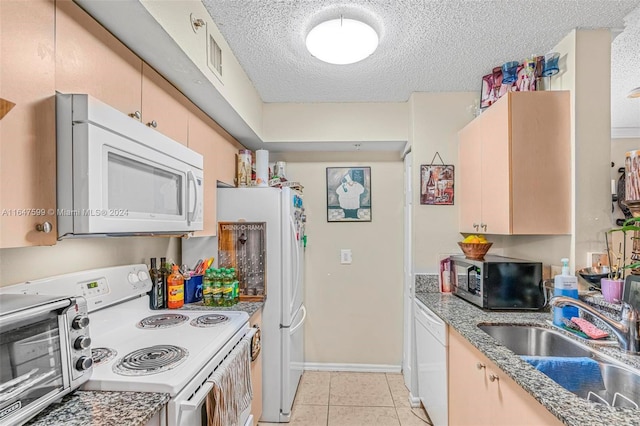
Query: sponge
x=589 y=329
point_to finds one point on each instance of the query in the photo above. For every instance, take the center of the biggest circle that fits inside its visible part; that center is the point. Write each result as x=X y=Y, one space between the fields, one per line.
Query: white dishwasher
x=431 y=345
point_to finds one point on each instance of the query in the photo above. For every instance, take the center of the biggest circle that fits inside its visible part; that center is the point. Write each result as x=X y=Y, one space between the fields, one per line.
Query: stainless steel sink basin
x=535 y=341
x=622 y=385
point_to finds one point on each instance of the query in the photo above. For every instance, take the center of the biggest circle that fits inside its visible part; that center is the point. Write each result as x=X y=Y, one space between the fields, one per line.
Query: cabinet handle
x=137 y=115
x=484 y=227
x=475 y=225
x=153 y=124
x=480 y=366
x=44 y=227
x=493 y=378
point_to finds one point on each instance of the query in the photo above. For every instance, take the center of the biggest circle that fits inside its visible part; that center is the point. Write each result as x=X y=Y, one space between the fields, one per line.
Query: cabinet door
x=91 y=60
x=27 y=131
x=256 y=374
x=163 y=106
x=469 y=403
x=469 y=176
x=496 y=169
x=513 y=405
x=201 y=137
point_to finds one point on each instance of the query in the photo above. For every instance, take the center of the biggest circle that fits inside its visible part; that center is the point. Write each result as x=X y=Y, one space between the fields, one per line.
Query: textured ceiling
x=425 y=45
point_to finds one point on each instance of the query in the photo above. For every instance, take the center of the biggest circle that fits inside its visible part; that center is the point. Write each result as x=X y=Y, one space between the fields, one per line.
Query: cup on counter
x=611 y=290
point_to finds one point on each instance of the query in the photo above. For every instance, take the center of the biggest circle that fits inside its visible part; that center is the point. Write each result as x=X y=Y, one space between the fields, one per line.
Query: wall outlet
x=345 y=256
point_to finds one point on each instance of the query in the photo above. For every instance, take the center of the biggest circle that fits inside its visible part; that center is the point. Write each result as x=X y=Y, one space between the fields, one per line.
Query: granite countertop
x=569 y=408
x=90 y=408
x=248 y=307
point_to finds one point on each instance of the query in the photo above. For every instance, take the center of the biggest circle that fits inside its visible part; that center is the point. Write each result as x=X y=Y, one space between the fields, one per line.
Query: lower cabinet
x=482 y=394
x=256 y=369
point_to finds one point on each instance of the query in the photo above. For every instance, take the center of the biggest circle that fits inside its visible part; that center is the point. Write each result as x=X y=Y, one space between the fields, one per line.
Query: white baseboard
x=358 y=368
x=414 y=401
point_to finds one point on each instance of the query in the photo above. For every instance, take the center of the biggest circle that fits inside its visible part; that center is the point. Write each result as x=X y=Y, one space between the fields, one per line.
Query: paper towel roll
x=262 y=167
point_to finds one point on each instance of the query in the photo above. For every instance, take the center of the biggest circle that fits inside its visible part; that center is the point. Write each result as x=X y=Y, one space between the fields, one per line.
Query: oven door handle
x=196 y=401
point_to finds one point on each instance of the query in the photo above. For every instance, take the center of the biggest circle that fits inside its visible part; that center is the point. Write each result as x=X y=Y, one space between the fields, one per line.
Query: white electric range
x=138 y=349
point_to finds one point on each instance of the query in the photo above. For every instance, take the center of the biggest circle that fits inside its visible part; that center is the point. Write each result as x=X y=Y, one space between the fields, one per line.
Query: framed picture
x=436 y=184
x=348 y=194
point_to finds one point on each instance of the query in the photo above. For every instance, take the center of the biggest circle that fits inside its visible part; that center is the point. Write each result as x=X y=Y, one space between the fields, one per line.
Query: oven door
x=193 y=411
x=33 y=366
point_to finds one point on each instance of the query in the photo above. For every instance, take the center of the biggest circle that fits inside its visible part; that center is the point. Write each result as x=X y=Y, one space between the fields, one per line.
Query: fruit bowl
x=475 y=251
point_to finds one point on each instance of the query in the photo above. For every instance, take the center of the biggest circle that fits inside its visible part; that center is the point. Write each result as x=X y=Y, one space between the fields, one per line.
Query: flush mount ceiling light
x=635 y=93
x=342 y=41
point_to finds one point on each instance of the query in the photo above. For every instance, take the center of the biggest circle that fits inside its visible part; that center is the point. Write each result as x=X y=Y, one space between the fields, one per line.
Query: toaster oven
x=45 y=352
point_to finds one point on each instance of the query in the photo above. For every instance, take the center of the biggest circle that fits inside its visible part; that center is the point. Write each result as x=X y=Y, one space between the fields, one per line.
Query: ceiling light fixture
x=635 y=93
x=342 y=41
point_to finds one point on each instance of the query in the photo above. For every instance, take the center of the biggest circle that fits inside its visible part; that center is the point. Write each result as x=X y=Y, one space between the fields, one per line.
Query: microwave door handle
x=191 y=214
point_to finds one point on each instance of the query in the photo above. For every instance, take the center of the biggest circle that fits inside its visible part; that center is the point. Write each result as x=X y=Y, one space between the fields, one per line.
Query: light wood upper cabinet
x=515 y=166
x=89 y=59
x=480 y=394
x=219 y=150
x=163 y=106
x=27 y=131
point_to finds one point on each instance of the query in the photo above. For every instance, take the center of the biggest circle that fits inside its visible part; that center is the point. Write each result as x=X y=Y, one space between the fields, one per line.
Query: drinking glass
x=551 y=64
x=510 y=72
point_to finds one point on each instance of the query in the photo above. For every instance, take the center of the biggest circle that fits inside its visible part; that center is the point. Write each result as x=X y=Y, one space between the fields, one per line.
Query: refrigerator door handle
x=298 y=325
x=296 y=272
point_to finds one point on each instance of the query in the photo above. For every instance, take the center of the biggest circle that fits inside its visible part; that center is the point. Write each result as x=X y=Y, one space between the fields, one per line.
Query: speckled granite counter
x=570 y=409
x=89 y=408
x=248 y=307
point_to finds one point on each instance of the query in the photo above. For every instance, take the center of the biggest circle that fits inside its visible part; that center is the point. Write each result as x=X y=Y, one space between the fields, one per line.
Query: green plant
x=617 y=271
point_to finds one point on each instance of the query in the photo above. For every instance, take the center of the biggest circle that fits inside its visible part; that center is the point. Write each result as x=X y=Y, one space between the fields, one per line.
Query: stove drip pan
x=102 y=355
x=209 y=320
x=151 y=360
x=162 y=321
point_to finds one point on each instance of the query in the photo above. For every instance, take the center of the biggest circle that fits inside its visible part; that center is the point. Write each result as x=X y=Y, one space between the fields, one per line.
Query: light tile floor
x=353 y=399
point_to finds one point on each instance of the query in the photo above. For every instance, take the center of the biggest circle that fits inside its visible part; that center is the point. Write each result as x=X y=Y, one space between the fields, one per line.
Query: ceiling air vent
x=214 y=56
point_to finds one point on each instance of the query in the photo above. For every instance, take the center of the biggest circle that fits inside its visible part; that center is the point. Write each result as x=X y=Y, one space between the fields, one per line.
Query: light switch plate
x=345 y=256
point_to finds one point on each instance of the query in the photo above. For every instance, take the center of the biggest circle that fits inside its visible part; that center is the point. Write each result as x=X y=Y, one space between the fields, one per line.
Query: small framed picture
x=436 y=184
x=348 y=194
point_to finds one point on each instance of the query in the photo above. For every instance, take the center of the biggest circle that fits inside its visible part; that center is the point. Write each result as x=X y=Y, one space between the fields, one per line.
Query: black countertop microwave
x=498 y=283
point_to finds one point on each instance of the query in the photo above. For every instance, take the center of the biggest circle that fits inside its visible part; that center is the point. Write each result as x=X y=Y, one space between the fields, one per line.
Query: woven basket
x=475 y=251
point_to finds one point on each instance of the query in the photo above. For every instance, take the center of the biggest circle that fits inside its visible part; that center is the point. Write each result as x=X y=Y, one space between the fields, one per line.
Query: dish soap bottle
x=565 y=284
x=175 y=289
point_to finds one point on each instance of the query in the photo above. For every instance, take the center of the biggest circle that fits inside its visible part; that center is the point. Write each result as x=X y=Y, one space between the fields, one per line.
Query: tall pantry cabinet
x=514 y=166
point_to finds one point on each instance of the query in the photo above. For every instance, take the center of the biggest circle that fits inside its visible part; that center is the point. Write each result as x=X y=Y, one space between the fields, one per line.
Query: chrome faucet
x=626 y=330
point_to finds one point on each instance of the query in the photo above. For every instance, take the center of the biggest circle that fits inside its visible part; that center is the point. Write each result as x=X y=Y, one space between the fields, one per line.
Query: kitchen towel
x=576 y=374
x=262 y=167
x=231 y=393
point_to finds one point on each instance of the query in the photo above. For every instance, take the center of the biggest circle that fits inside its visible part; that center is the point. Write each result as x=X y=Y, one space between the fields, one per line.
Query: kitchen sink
x=535 y=341
x=622 y=385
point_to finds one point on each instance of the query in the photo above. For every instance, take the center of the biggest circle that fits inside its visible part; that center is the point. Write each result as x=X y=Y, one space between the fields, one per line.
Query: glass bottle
x=156 y=295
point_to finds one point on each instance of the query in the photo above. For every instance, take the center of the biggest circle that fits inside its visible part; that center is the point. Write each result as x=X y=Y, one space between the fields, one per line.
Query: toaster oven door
x=32 y=370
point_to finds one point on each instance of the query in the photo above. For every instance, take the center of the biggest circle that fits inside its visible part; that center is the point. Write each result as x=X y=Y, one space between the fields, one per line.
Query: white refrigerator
x=284 y=313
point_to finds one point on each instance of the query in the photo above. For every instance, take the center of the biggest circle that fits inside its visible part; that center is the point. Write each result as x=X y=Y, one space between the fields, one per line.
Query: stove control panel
x=92 y=288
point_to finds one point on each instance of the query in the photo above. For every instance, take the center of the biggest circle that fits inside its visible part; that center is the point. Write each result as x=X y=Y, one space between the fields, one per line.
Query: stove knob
x=142 y=275
x=133 y=278
x=84 y=363
x=82 y=342
x=80 y=322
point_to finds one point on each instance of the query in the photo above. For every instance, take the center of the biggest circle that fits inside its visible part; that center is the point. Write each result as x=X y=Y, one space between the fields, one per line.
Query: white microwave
x=116 y=176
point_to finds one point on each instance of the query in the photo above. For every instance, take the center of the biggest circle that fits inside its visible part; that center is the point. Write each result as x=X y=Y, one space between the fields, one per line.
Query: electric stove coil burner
x=102 y=355
x=209 y=320
x=151 y=360
x=162 y=321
